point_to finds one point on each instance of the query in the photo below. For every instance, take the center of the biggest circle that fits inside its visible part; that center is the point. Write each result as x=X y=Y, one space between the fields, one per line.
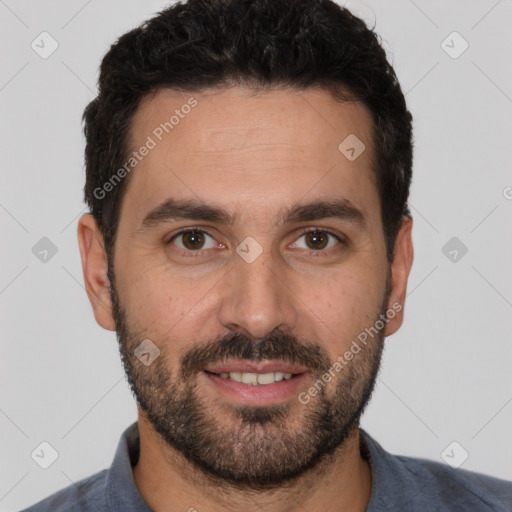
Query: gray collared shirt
x=398 y=483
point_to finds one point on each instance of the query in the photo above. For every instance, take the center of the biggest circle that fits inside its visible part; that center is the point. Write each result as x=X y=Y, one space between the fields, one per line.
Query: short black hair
x=200 y=44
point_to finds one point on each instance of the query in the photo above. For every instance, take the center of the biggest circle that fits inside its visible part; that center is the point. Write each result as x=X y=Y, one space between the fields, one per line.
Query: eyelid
x=310 y=229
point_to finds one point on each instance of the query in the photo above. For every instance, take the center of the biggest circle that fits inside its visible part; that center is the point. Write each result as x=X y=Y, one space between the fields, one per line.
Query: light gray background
x=446 y=375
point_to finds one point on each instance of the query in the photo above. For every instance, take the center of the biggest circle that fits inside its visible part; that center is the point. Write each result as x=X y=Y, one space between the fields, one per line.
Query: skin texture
x=253 y=155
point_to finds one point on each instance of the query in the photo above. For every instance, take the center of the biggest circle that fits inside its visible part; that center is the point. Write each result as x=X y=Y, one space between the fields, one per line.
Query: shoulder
x=417 y=484
x=86 y=495
x=460 y=488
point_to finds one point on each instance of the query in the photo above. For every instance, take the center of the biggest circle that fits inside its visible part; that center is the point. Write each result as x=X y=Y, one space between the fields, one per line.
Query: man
x=248 y=168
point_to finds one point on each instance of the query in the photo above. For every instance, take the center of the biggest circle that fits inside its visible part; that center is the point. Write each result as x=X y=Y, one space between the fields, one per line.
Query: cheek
x=349 y=303
x=159 y=307
x=168 y=309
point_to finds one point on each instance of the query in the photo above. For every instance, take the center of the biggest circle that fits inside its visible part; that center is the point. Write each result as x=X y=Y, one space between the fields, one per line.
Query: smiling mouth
x=256 y=379
x=256 y=383
x=255 y=373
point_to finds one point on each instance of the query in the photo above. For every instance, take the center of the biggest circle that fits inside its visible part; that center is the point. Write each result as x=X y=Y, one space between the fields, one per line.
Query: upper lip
x=255 y=367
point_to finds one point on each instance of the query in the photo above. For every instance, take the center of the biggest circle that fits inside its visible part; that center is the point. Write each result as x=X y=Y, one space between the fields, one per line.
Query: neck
x=163 y=477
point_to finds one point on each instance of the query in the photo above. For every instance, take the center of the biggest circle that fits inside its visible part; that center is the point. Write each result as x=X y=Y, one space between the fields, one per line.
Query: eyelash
x=201 y=252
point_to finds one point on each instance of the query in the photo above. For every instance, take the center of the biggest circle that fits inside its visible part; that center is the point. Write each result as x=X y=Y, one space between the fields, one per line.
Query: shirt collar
x=122 y=493
x=389 y=475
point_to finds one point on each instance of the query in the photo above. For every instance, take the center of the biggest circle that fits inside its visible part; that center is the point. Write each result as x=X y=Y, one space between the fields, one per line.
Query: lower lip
x=250 y=394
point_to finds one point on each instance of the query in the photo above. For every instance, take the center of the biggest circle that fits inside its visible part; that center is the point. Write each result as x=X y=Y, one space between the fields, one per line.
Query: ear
x=400 y=269
x=94 y=265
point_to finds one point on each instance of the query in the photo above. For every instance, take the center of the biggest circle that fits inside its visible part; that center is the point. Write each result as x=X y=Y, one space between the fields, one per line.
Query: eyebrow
x=176 y=209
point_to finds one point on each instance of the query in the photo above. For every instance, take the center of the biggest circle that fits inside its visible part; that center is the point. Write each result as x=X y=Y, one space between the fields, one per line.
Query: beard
x=249 y=447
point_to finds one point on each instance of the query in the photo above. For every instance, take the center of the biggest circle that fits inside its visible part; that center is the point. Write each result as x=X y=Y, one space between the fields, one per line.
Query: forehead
x=244 y=148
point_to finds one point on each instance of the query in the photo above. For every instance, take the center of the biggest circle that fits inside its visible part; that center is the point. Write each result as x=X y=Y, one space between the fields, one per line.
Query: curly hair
x=200 y=44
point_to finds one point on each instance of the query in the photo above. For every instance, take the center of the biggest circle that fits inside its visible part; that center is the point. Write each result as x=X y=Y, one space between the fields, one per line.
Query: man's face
x=256 y=295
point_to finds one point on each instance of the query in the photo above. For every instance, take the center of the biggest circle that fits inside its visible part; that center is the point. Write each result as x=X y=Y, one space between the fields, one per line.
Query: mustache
x=276 y=346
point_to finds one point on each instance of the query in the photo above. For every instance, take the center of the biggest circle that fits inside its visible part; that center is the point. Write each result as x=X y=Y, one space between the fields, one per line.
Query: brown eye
x=193 y=240
x=318 y=240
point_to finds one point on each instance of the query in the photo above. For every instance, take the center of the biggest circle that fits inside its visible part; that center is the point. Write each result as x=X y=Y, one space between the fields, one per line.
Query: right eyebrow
x=176 y=209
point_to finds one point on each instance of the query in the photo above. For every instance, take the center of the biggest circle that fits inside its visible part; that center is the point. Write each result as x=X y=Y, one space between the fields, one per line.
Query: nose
x=257 y=298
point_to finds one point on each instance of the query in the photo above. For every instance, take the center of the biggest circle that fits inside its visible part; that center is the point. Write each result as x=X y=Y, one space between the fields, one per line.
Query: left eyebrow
x=341 y=209
x=175 y=209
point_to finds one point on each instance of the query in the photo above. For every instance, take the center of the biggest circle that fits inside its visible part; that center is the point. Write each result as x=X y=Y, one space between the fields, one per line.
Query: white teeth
x=236 y=376
x=250 y=378
x=266 y=378
x=256 y=378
